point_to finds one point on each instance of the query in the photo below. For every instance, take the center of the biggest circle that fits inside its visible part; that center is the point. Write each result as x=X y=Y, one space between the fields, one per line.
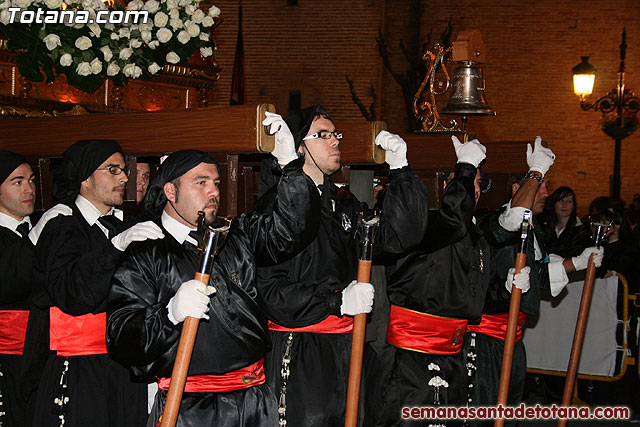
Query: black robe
x=307 y=289
x=446 y=276
x=487 y=349
x=140 y=333
x=16 y=280
x=77 y=262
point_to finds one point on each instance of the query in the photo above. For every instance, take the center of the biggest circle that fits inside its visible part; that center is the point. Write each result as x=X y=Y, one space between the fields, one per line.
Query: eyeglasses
x=324 y=134
x=116 y=170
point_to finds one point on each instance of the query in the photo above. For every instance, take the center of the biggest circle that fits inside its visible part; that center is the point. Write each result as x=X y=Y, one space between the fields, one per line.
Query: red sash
x=330 y=325
x=13 y=327
x=495 y=325
x=78 y=335
x=242 y=378
x=425 y=333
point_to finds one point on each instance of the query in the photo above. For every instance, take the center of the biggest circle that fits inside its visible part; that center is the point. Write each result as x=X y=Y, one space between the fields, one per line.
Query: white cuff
x=511 y=218
x=558 y=278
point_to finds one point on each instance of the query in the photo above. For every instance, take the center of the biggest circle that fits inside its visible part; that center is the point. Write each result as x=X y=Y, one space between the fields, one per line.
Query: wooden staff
x=581 y=323
x=212 y=240
x=512 y=321
x=367 y=230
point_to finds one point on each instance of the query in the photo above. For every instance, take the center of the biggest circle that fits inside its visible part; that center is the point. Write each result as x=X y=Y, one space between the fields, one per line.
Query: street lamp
x=618 y=107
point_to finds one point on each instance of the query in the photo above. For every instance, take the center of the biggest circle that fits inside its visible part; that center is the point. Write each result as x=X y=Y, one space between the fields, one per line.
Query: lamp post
x=618 y=107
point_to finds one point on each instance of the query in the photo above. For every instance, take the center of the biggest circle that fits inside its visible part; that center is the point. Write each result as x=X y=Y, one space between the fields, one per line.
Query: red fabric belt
x=78 y=335
x=242 y=378
x=425 y=333
x=13 y=327
x=495 y=325
x=330 y=325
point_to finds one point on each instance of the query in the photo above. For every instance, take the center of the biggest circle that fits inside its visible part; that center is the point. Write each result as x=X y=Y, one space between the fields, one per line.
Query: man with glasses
x=311 y=298
x=77 y=249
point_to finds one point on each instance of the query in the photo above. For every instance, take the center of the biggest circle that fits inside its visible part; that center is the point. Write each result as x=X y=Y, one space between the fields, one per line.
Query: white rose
x=83 y=43
x=87 y=4
x=147 y=26
x=94 y=30
x=135 y=43
x=125 y=53
x=52 y=41
x=152 y=6
x=115 y=36
x=96 y=66
x=154 y=44
x=206 y=52
x=174 y=14
x=154 y=68
x=66 y=60
x=107 y=53
x=214 y=11
x=146 y=36
x=183 y=3
x=22 y=4
x=124 y=32
x=109 y=27
x=183 y=37
x=198 y=16
x=5 y=5
x=132 y=70
x=173 y=58
x=190 y=9
x=113 y=69
x=176 y=24
x=204 y=36
x=53 y=4
x=135 y=5
x=5 y=16
x=207 y=21
x=164 y=35
x=193 y=30
x=160 y=19
x=83 y=69
x=172 y=4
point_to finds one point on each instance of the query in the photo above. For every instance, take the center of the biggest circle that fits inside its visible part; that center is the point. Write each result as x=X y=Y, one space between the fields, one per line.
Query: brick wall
x=531 y=48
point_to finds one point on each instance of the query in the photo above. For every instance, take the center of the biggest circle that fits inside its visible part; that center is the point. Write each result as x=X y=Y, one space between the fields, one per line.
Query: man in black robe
x=484 y=344
x=434 y=293
x=311 y=298
x=154 y=290
x=17 y=197
x=76 y=253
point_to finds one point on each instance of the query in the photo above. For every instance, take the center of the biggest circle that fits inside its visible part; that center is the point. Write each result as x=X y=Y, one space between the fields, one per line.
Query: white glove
x=285 y=149
x=520 y=280
x=471 y=152
x=357 y=298
x=581 y=261
x=191 y=300
x=137 y=233
x=395 y=149
x=539 y=158
x=53 y=212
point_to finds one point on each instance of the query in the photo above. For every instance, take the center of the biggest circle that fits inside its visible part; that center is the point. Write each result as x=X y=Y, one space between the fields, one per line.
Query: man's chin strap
x=185 y=219
x=326 y=181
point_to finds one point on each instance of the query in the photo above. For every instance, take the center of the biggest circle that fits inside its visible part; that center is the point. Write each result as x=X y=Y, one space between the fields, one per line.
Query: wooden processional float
x=217 y=129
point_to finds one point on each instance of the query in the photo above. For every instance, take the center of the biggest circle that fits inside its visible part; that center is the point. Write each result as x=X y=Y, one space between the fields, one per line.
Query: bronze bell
x=467 y=92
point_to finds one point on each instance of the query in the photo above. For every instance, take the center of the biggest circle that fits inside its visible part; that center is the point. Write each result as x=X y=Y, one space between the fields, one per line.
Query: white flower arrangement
x=89 y=53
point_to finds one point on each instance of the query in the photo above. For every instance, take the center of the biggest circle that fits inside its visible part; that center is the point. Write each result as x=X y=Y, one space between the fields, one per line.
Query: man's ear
x=170 y=191
x=514 y=188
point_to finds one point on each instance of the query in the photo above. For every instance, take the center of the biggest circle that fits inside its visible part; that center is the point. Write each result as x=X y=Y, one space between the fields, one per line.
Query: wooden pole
x=357 y=350
x=578 y=337
x=181 y=366
x=510 y=340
